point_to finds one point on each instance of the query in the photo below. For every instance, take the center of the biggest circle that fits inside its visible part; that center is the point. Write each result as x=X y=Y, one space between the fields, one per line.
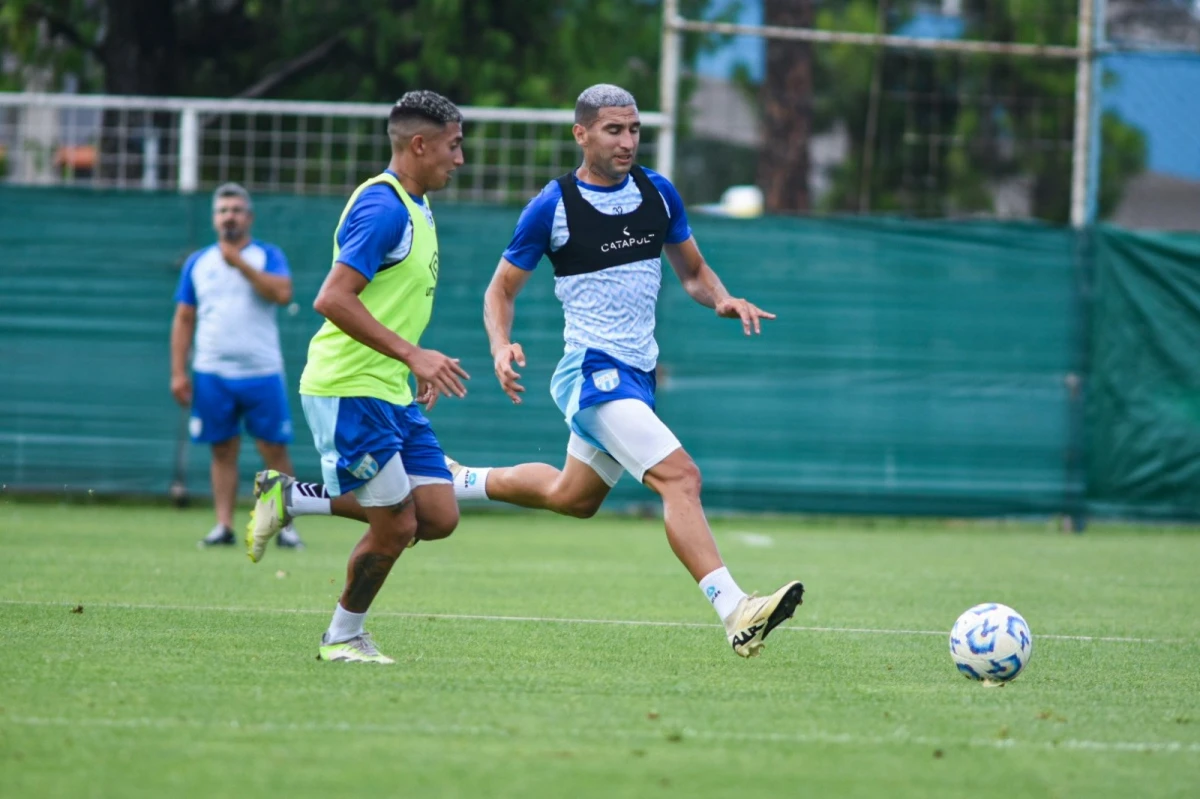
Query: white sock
x=471 y=483
x=309 y=499
x=345 y=625
x=720 y=589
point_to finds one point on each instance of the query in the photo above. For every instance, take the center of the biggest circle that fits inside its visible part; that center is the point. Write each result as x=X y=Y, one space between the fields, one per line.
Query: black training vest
x=599 y=240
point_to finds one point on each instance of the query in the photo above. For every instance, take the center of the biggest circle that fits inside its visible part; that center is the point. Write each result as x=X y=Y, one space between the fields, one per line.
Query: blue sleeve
x=373 y=228
x=531 y=239
x=679 y=231
x=185 y=292
x=276 y=261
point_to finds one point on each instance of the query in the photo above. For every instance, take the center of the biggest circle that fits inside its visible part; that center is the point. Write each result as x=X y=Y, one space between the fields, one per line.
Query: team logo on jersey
x=606 y=379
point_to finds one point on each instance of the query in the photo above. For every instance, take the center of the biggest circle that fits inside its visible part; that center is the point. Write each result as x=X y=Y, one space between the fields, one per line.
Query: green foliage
x=504 y=52
x=1003 y=117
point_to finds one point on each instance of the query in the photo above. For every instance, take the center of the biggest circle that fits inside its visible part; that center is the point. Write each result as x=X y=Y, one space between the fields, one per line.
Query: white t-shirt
x=236 y=332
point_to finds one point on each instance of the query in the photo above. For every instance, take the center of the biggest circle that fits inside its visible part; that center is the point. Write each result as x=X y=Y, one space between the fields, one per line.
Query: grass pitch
x=540 y=656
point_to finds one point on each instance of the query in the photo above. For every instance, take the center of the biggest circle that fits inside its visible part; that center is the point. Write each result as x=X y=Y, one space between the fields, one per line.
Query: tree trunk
x=139 y=58
x=786 y=110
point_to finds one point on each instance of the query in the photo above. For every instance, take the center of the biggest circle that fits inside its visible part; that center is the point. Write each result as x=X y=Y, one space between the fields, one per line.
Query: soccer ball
x=991 y=643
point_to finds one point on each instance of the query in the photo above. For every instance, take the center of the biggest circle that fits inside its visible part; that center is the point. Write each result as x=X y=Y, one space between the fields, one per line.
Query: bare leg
x=677 y=480
x=390 y=530
x=576 y=490
x=224 y=474
x=437 y=510
x=275 y=456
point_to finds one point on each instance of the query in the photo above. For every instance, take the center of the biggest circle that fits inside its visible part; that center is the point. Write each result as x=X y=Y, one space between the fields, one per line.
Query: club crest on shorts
x=606 y=379
x=364 y=468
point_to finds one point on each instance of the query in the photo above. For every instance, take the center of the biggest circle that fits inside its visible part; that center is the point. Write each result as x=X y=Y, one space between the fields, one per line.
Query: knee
x=439 y=526
x=686 y=481
x=392 y=539
x=225 y=451
x=580 y=507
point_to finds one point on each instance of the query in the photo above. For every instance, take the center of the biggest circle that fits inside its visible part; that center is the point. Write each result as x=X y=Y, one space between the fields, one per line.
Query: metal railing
x=189 y=144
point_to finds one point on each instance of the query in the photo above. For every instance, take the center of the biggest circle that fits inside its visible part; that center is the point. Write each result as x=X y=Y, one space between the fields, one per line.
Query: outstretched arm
x=703 y=286
x=499 y=308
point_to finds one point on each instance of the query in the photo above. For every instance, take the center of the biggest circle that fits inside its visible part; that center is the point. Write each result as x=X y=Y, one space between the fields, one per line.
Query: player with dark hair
x=379 y=457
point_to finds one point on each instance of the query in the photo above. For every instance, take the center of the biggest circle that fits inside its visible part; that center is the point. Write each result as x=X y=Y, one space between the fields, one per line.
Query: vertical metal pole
x=1084 y=99
x=189 y=150
x=150 y=149
x=668 y=89
x=1092 y=207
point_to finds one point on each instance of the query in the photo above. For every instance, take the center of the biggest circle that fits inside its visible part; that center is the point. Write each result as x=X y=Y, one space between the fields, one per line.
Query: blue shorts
x=357 y=436
x=588 y=377
x=220 y=404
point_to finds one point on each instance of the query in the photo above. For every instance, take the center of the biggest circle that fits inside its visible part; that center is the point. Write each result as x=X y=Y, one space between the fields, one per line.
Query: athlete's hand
x=426 y=395
x=438 y=374
x=230 y=252
x=181 y=389
x=508 y=377
x=750 y=314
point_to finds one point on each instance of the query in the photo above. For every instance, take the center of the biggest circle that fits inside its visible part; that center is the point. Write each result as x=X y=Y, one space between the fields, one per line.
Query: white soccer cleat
x=360 y=649
x=756 y=616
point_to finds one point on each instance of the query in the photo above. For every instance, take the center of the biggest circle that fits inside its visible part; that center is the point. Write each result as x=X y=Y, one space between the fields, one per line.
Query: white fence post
x=668 y=89
x=189 y=150
x=1085 y=96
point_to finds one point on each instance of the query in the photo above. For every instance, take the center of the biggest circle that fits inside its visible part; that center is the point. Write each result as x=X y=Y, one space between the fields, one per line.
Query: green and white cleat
x=360 y=649
x=270 y=511
x=756 y=616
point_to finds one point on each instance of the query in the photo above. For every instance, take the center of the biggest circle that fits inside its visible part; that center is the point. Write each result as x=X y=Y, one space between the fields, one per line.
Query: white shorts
x=635 y=438
x=391 y=485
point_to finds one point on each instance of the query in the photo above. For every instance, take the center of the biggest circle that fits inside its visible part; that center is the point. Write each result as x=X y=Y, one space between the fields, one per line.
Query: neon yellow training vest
x=399 y=296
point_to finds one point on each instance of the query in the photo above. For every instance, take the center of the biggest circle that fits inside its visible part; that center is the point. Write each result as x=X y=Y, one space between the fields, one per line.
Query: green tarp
x=916 y=367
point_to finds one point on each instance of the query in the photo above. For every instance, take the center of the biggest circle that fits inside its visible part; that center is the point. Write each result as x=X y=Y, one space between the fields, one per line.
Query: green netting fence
x=962 y=368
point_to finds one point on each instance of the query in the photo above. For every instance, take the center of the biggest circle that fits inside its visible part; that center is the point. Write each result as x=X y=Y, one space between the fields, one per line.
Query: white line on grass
x=899 y=738
x=554 y=620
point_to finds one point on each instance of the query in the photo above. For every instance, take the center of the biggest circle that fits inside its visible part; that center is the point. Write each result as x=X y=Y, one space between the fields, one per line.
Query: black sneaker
x=289 y=538
x=219 y=537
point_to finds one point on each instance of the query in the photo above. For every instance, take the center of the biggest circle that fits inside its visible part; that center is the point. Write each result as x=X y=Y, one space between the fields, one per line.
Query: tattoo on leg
x=370 y=570
x=399 y=507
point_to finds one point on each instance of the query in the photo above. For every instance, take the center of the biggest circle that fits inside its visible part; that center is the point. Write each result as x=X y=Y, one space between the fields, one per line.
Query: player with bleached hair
x=604 y=228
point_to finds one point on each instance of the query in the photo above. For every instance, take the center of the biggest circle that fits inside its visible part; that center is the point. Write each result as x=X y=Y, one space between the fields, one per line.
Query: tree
x=951 y=129
x=503 y=52
x=787 y=96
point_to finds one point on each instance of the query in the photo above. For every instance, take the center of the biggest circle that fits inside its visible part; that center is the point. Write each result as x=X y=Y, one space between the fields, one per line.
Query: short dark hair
x=602 y=95
x=421 y=107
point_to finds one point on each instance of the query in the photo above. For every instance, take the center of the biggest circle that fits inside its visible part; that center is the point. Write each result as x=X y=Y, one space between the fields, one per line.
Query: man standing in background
x=226 y=302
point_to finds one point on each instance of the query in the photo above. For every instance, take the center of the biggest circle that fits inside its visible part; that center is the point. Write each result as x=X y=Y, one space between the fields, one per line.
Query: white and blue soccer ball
x=991 y=643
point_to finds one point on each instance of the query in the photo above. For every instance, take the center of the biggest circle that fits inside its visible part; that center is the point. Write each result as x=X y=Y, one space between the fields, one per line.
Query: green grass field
x=540 y=656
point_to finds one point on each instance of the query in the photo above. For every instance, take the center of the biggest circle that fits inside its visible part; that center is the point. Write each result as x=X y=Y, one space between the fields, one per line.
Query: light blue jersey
x=611 y=310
